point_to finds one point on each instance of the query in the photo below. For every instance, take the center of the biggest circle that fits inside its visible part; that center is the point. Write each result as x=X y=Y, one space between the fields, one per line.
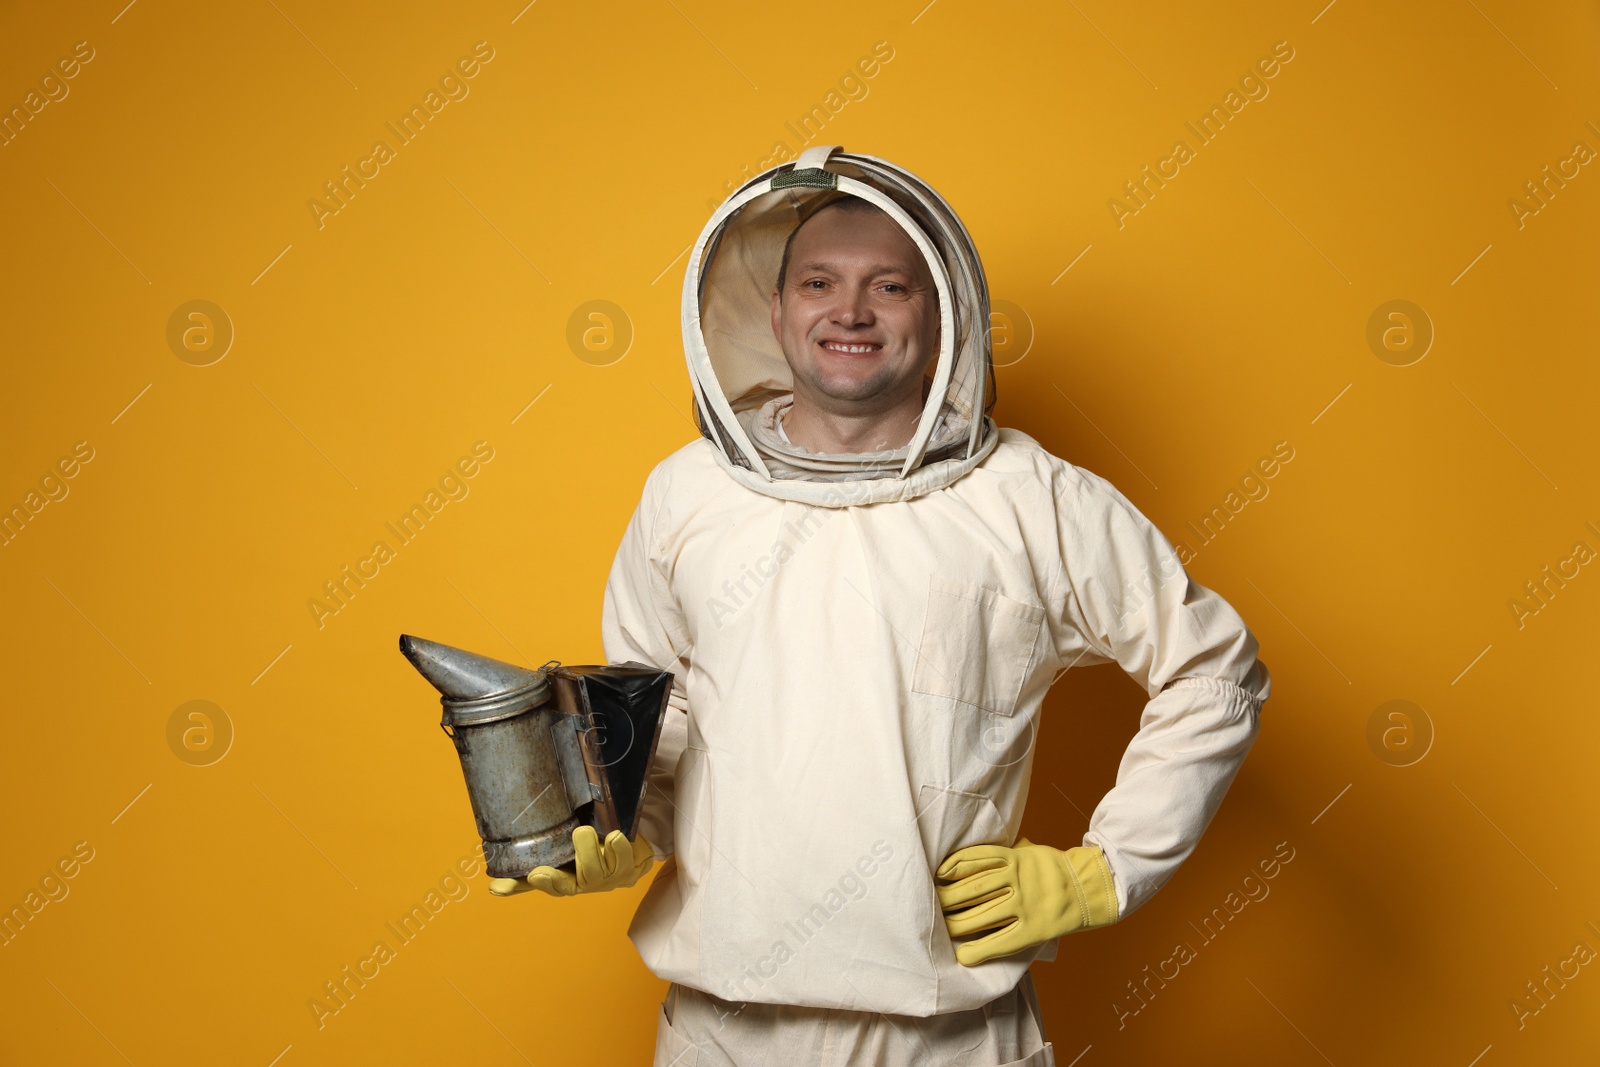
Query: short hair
x=843 y=202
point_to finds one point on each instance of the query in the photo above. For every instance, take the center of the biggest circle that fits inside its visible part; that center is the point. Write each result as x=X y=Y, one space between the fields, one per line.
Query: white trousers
x=697 y=1029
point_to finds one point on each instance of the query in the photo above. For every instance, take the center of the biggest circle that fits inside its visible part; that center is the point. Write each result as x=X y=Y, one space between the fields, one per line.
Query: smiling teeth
x=837 y=347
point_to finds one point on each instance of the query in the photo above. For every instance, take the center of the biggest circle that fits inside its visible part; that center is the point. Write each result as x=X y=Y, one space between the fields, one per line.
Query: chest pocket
x=977 y=645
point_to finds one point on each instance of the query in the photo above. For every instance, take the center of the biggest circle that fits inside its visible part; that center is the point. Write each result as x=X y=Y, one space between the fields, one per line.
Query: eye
x=811 y=282
x=894 y=287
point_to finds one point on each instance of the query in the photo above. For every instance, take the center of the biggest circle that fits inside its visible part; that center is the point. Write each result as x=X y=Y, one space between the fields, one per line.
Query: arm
x=640 y=621
x=1130 y=601
x=1126 y=600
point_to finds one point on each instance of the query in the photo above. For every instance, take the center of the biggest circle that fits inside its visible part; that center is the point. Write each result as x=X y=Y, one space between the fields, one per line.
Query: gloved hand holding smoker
x=598 y=868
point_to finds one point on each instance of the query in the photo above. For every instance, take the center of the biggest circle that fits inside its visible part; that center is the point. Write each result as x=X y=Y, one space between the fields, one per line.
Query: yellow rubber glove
x=615 y=865
x=1028 y=894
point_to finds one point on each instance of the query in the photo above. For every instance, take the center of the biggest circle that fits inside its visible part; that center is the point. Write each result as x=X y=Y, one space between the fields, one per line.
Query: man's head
x=855 y=310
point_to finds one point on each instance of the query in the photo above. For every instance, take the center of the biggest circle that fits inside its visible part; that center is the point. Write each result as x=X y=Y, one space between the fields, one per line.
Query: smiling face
x=857 y=314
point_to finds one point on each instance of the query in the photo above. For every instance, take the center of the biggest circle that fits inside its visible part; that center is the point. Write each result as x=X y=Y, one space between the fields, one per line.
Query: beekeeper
x=865 y=588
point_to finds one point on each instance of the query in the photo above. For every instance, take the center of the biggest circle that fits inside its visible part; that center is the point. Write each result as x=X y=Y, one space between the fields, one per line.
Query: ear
x=777 y=316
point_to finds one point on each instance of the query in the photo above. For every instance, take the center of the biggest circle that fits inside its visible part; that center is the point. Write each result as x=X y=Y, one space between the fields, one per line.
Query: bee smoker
x=545 y=751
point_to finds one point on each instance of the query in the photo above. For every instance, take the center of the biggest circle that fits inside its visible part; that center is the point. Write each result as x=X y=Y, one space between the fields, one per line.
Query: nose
x=852 y=308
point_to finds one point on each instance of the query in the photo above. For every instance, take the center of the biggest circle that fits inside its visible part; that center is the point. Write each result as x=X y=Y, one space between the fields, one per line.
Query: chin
x=852 y=391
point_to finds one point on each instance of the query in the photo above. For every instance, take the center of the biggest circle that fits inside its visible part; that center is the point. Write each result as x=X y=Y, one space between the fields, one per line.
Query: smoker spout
x=461 y=676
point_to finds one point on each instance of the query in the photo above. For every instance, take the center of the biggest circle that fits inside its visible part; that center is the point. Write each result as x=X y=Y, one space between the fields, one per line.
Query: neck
x=817 y=429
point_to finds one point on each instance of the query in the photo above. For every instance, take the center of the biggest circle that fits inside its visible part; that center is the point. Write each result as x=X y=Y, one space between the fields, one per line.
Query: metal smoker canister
x=520 y=756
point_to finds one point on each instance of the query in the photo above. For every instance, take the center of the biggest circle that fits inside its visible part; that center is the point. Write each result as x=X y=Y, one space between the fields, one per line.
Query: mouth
x=849 y=348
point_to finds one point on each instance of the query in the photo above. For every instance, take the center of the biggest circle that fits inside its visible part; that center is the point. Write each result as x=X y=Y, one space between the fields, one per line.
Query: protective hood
x=742 y=382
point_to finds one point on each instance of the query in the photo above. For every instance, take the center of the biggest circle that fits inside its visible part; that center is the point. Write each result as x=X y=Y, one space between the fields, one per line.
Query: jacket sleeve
x=640 y=621
x=1129 y=601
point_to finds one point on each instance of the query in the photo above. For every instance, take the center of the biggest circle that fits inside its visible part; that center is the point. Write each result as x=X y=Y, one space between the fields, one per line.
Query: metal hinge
x=569 y=757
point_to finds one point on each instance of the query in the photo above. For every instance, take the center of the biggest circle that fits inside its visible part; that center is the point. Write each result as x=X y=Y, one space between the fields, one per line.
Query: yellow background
x=1228 y=314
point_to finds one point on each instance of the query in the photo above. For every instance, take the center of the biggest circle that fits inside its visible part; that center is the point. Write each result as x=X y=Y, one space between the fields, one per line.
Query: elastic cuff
x=1237 y=694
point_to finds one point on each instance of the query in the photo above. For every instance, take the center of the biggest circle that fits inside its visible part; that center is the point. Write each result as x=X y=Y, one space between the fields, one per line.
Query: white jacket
x=862 y=645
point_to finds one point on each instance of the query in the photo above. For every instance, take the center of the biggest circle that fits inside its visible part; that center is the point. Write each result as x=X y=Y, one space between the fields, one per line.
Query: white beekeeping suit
x=862 y=644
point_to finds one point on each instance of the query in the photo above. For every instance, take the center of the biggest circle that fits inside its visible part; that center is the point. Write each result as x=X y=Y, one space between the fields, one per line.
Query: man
x=864 y=589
